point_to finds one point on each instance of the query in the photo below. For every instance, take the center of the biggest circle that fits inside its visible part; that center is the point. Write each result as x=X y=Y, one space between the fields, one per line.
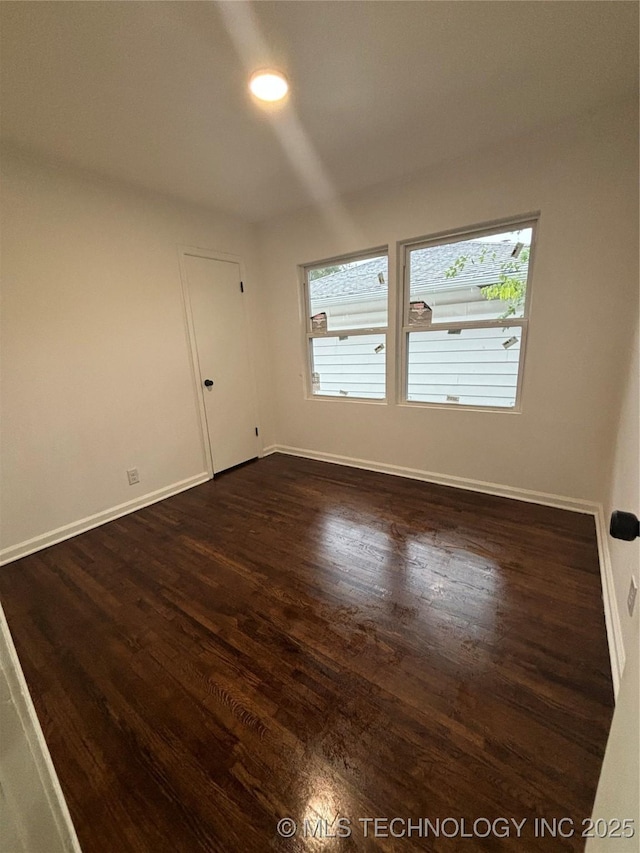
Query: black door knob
x=624 y=525
x=208 y=383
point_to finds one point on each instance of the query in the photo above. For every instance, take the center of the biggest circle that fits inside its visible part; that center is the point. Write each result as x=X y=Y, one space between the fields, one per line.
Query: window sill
x=331 y=399
x=409 y=404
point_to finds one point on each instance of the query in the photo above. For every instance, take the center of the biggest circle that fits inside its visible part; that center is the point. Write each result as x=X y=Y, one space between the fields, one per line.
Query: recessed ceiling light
x=269 y=85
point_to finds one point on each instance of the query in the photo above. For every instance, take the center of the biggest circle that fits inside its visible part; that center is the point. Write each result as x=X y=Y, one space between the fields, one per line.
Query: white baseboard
x=612 y=616
x=559 y=501
x=38 y=810
x=30 y=546
x=611 y=612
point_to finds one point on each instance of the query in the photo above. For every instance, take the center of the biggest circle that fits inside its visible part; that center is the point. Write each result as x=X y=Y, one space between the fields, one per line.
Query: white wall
x=582 y=176
x=96 y=371
x=624 y=493
x=618 y=793
x=33 y=814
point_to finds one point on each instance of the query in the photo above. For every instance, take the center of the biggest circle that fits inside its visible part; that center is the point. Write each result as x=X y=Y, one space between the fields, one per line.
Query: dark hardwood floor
x=307 y=640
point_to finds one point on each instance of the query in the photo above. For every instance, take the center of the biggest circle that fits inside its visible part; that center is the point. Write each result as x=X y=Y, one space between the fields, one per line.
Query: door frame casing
x=212 y=255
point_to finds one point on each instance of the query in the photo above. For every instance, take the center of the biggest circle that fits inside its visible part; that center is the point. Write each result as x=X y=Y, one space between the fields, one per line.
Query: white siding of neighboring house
x=350 y=367
x=473 y=366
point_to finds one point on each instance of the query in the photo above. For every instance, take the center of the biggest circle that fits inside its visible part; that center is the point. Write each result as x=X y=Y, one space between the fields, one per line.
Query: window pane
x=475 y=367
x=350 y=366
x=479 y=279
x=352 y=295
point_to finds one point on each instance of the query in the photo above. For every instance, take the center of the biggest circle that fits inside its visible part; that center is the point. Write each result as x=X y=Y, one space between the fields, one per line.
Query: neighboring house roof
x=428 y=267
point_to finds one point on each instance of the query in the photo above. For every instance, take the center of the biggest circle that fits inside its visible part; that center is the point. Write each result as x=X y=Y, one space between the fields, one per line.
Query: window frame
x=404 y=329
x=309 y=334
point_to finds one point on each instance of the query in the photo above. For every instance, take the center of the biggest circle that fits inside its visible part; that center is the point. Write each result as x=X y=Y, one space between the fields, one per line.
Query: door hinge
x=257 y=433
x=241 y=287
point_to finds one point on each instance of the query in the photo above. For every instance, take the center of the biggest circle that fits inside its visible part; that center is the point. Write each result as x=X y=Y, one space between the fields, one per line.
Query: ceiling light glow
x=269 y=85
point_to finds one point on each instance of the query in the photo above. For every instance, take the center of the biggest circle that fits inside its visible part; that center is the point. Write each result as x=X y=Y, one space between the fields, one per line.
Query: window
x=465 y=317
x=346 y=330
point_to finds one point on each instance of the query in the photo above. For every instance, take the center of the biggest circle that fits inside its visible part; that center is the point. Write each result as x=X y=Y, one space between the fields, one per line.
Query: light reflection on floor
x=414 y=576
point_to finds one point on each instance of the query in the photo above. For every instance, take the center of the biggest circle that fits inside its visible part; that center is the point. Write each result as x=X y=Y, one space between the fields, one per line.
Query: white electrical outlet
x=133 y=476
x=631 y=598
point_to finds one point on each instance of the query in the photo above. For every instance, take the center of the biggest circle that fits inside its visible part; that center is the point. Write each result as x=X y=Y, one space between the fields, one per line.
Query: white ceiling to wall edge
x=155 y=94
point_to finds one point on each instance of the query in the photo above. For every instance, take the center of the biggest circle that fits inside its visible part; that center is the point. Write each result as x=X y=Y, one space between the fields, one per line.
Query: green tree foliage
x=511 y=285
x=320 y=272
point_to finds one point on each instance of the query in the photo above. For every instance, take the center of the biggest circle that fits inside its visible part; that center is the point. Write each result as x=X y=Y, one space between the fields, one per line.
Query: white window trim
x=404 y=247
x=309 y=334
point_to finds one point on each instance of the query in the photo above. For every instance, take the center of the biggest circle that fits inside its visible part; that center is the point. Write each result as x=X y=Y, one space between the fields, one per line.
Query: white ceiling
x=155 y=93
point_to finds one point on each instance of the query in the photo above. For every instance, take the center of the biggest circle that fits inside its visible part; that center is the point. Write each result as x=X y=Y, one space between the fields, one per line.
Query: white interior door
x=223 y=359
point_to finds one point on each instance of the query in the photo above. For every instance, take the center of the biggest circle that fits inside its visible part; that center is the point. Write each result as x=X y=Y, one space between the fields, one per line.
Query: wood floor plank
x=303 y=639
